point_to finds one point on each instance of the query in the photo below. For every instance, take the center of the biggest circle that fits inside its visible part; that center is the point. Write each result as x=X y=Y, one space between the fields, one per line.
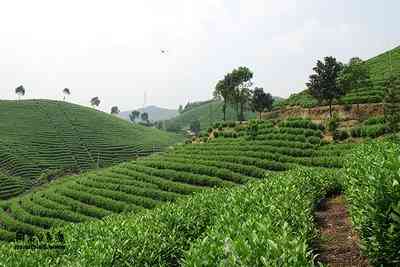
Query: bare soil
x=338 y=243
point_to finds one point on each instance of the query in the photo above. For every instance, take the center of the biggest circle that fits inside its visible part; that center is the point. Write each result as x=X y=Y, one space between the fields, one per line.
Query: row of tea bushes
x=263 y=223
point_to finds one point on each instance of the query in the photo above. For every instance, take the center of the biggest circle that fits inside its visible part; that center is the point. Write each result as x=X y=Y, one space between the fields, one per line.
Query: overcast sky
x=111 y=49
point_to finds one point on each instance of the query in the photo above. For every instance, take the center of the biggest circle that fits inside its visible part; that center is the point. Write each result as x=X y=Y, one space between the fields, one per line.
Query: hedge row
x=372 y=185
x=264 y=223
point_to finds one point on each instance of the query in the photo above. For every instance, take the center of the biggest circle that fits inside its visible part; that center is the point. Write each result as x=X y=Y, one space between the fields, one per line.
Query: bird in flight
x=163 y=51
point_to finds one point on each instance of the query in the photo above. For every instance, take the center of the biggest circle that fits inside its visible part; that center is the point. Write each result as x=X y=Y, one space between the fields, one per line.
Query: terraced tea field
x=182 y=170
x=40 y=135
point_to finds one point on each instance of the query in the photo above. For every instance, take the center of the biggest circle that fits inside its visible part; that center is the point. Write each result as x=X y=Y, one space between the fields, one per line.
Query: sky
x=112 y=49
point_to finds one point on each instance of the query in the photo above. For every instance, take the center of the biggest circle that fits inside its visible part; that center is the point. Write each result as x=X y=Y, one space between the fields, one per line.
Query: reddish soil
x=338 y=243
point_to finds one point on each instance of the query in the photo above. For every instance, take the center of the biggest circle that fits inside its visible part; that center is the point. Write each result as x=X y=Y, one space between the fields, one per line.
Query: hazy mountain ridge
x=155 y=113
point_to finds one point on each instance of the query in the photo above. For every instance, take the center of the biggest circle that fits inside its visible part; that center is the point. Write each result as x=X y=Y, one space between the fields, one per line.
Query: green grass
x=379 y=69
x=207 y=114
x=39 y=135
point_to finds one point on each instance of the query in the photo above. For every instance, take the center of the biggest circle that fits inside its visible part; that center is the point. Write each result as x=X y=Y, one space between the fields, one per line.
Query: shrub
x=372 y=186
x=340 y=135
x=333 y=123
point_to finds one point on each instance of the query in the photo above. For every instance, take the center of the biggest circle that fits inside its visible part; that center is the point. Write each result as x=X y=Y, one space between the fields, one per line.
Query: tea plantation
x=267 y=222
x=40 y=135
x=182 y=170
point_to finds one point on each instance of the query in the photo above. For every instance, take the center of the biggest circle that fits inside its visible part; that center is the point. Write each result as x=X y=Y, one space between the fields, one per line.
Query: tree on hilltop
x=66 y=92
x=145 y=117
x=323 y=84
x=95 y=101
x=261 y=101
x=134 y=115
x=20 y=91
x=115 y=110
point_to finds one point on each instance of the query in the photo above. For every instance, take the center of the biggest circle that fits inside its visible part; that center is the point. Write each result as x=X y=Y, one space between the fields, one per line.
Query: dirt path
x=338 y=243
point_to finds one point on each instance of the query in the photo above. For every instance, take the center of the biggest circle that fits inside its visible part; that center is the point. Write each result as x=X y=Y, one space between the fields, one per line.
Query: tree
x=224 y=90
x=241 y=78
x=180 y=109
x=323 y=84
x=114 y=110
x=145 y=117
x=261 y=101
x=66 y=92
x=20 y=91
x=392 y=103
x=195 y=126
x=134 y=115
x=95 y=101
x=354 y=76
x=234 y=89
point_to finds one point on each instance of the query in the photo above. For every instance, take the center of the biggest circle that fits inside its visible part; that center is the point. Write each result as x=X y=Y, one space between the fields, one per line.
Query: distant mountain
x=155 y=113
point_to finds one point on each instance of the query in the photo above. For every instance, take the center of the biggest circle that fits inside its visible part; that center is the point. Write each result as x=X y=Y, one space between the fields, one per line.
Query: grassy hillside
x=379 y=68
x=148 y=182
x=207 y=114
x=37 y=135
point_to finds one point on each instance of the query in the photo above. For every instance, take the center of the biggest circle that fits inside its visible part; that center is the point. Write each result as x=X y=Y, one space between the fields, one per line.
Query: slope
x=148 y=182
x=207 y=114
x=379 y=67
x=37 y=135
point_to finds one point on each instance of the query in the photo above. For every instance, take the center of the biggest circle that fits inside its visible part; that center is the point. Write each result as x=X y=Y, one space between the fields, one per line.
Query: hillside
x=37 y=135
x=155 y=113
x=148 y=182
x=207 y=114
x=378 y=66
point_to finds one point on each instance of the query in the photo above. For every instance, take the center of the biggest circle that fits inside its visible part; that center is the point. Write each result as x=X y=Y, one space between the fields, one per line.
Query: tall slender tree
x=20 y=91
x=323 y=84
x=241 y=78
x=66 y=92
x=224 y=89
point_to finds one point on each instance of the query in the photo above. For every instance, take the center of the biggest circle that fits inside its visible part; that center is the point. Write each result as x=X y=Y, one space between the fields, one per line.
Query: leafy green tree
x=20 y=91
x=354 y=75
x=114 y=110
x=145 y=117
x=241 y=92
x=224 y=90
x=234 y=89
x=66 y=92
x=323 y=84
x=392 y=103
x=134 y=115
x=180 y=109
x=261 y=101
x=95 y=101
